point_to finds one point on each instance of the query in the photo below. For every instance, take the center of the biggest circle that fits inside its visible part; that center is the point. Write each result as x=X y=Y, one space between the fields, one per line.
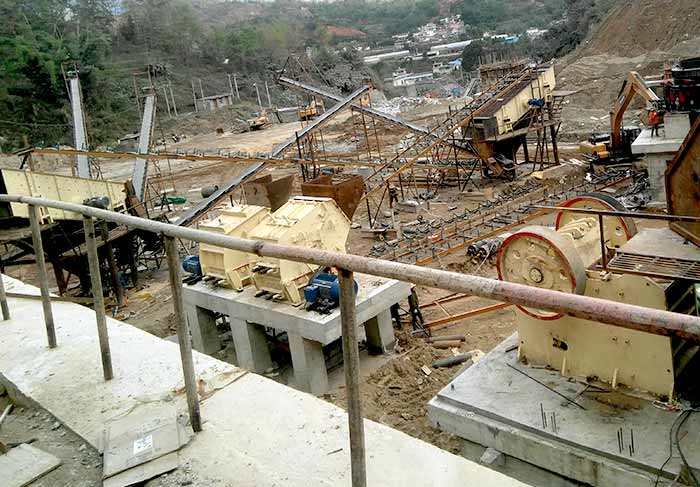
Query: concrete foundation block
x=380 y=333
x=309 y=364
x=250 y=342
x=205 y=337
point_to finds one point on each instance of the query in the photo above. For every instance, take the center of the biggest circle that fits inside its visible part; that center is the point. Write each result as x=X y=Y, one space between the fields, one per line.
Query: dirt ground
x=81 y=465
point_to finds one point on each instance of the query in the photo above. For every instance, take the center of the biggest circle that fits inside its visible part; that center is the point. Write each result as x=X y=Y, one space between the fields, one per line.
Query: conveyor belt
x=369 y=111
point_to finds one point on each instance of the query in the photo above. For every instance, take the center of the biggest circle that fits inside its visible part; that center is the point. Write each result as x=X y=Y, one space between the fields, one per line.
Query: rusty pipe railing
x=648 y=320
x=619 y=314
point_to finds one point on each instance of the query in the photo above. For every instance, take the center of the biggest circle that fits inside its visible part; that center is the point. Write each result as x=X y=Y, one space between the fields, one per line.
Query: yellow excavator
x=260 y=121
x=618 y=143
x=312 y=110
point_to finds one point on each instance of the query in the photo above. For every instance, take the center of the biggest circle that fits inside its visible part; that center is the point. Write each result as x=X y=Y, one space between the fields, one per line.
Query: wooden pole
x=172 y=98
x=194 y=96
x=269 y=100
x=351 y=364
x=43 y=276
x=98 y=296
x=183 y=333
x=167 y=102
x=230 y=85
x=235 y=85
x=3 y=301
x=257 y=92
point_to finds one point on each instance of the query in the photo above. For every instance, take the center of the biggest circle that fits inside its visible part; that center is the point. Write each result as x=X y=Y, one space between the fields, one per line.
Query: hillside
x=639 y=35
x=635 y=27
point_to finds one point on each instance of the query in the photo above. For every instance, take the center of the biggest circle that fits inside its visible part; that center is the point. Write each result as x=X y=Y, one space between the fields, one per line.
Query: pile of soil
x=397 y=393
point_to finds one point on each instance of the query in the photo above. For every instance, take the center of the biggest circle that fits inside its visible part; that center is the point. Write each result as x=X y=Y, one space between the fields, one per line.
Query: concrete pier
x=537 y=434
x=308 y=331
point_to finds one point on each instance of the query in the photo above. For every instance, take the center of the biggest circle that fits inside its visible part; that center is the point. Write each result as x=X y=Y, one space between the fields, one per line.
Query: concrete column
x=380 y=333
x=250 y=342
x=205 y=337
x=309 y=364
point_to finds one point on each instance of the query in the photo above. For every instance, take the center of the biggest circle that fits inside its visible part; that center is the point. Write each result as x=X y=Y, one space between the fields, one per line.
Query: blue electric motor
x=323 y=292
x=191 y=265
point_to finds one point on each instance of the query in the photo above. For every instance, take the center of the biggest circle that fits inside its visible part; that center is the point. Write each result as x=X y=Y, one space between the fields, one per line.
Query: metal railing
x=618 y=314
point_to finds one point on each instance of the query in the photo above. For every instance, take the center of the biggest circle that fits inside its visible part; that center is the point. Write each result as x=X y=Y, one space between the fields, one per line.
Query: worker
x=654 y=121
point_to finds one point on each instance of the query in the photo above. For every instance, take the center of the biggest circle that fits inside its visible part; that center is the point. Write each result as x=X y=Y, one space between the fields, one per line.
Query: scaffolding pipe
x=3 y=301
x=183 y=333
x=98 y=296
x=351 y=364
x=629 y=316
x=42 y=274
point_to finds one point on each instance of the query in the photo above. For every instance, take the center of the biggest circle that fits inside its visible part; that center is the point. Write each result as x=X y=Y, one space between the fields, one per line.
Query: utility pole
x=194 y=95
x=269 y=100
x=167 y=102
x=230 y=85
x=201 y=92
x=257 y=92
x=136 y=93
x=172 y=98
x=235 y=85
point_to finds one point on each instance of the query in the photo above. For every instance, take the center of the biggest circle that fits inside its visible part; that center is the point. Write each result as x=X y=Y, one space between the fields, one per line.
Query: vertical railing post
x=351 y=363
x=3 y=301
x=42 y=274
x=183 y=333
x=98 y=296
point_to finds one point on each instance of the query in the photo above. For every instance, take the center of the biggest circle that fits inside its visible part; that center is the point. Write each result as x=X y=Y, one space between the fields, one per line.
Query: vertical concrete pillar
x=205 y=337
x=309 y=364
x=250 y=342
x=380 y=333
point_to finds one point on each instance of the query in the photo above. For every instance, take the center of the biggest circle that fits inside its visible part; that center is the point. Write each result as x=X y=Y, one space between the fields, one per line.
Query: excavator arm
x=633 y=85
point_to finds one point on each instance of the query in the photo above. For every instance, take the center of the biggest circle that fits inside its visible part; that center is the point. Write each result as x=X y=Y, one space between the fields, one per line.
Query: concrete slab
x=256 y=432
x=374 y=296
x=69 y=377
x=24 y=464
x=495 y=406
x=658 y=144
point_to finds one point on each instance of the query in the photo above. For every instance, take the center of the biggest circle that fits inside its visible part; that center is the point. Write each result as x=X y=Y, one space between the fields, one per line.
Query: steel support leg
x=183 y=333
x=42 y=275
x=3 y=301
x=98 y=296
x=351 y=363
